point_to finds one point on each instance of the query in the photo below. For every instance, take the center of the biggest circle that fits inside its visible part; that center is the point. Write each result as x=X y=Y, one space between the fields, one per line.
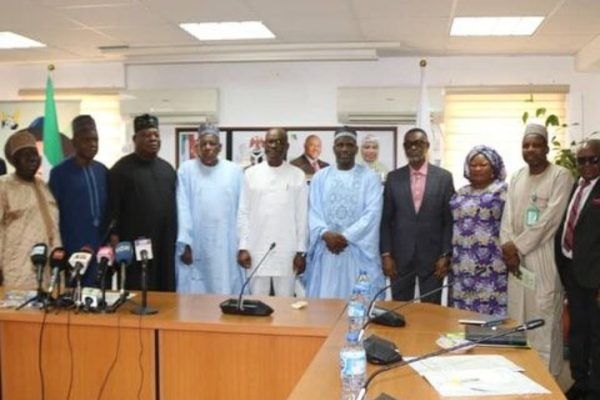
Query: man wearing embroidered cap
x=344 y=215
x=142 y=204
x=28 y=212
x=208 y=191
x=80 y=187
x=536 y=201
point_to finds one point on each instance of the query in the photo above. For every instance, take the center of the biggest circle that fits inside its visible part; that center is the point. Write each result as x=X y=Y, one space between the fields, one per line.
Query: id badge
x=532 y=215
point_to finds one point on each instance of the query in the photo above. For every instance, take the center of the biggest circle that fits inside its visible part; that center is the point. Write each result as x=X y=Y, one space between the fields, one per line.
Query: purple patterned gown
x=476 y=245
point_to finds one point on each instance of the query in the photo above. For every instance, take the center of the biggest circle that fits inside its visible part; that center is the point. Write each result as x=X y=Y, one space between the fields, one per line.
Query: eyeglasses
x=593 y=160
x=419 y=143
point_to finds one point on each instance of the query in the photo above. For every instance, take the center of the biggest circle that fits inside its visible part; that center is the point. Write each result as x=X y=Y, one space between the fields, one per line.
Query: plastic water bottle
x=363 y=283
x=357 y=312
x=353 y=367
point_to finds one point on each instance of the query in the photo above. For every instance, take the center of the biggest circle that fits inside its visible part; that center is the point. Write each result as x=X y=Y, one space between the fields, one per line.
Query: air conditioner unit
x=189 y=106
x=384 y=105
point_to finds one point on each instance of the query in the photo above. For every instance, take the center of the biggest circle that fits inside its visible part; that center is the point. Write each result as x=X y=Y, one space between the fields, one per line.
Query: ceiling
x=144 y=31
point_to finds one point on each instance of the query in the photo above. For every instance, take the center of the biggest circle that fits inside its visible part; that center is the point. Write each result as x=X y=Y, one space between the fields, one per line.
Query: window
x=494 y=117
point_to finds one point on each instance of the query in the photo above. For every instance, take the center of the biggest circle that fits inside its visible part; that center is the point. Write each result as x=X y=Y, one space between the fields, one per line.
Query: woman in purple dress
x=479 y=276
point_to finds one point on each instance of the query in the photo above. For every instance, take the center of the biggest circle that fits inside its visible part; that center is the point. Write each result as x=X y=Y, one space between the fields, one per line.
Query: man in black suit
x=577 y=249
x=416 y=225
x=2 y=167
x=309 y=161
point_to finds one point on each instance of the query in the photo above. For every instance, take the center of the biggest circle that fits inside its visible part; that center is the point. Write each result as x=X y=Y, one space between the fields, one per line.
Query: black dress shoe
x=575 y=393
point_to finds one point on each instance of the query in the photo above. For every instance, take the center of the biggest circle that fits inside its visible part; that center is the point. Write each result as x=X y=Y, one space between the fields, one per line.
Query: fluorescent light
x=228 y=30
x=10 y=40
x=495 y=26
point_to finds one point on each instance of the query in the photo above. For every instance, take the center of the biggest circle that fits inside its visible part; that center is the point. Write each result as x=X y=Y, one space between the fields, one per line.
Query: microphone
x=39 y=257
x=248 y=307
x=105 y=258
x=80 y=260
x=58 y=263
x=530 y=325
x=143 y=254
x=123 y=258
x=379 y=350
x=389 y=317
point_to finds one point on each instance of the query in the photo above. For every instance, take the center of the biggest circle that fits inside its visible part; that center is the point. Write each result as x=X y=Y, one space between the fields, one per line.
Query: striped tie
x=573 y=215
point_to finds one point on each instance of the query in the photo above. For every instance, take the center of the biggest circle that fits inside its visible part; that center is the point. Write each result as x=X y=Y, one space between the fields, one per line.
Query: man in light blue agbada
x=345 y=205
x=208 y=190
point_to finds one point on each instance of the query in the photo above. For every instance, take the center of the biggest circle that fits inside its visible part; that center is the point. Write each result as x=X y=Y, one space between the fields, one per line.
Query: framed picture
x=245 y=145
x=186 y=144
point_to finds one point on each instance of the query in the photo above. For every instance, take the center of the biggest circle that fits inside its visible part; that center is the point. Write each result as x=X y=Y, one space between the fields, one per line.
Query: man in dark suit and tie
x=577 y=249
x=309 y=161
x=416 y=225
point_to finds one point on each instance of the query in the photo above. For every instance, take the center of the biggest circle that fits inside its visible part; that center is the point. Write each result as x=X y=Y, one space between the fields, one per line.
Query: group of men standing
x=85 y=204
x=212 y=221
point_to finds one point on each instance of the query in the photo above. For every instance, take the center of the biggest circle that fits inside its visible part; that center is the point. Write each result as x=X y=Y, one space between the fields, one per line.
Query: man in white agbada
x=536 y=201
x=208 y=191
x=345 y=212
x=273 y=207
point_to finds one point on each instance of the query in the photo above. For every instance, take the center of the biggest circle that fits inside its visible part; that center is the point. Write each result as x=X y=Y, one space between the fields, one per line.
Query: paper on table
x=460 y=363
x=483 y=382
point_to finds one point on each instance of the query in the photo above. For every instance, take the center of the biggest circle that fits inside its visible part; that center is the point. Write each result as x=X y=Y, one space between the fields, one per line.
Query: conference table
x=424 y=325
x=189 y=350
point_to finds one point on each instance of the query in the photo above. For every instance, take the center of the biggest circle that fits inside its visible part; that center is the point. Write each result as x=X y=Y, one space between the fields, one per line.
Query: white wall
x=304 y=93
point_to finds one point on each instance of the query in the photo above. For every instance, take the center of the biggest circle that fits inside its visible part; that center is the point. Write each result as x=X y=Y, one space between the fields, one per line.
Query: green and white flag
x=52 y=143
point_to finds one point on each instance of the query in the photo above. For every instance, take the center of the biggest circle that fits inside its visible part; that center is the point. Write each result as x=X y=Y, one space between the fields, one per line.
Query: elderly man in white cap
x=28 y=212
x=536 y=201
x=208 y=193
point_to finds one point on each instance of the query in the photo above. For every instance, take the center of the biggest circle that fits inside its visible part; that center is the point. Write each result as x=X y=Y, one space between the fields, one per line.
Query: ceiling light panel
x=228 y=30
x=495 y=26
x=11 y=40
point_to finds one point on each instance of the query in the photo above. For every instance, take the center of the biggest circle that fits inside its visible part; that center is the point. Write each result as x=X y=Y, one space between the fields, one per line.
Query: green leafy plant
x=563 y=156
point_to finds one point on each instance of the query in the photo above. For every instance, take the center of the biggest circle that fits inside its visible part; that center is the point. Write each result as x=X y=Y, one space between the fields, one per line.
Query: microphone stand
x=41 y=296
x=533 y=324
x=390 y=317
x=144 y=309
x=102 y=305
x=252 y=307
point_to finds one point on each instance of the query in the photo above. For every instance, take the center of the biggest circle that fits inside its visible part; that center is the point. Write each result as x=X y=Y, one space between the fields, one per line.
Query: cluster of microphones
x=65 y=288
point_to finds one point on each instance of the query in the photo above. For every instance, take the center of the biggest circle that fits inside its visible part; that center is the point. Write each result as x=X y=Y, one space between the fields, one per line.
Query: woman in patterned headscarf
x=479 y=276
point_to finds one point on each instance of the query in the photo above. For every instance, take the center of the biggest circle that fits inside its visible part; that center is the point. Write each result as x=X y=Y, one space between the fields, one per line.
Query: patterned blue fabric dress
x=476 y=246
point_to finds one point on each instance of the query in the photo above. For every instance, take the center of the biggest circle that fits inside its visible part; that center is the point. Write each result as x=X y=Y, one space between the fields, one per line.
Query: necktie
x=573 y=215
x=315 y=165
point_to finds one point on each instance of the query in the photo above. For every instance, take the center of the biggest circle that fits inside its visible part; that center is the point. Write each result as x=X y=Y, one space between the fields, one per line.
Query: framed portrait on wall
x=245 y=145
x=186 y=144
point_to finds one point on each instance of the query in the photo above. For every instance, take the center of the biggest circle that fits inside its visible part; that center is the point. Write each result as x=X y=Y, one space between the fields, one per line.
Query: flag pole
x=51 y=135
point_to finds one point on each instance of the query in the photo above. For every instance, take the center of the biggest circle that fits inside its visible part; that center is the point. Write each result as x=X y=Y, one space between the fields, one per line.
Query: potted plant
x=563 y=156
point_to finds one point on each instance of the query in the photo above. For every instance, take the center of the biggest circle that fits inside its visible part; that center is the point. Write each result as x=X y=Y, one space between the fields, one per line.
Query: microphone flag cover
x=105 y=252
x=124 y=253
x=39 y=253
x=80 y=259
x=143 y=249
x=58 y=258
